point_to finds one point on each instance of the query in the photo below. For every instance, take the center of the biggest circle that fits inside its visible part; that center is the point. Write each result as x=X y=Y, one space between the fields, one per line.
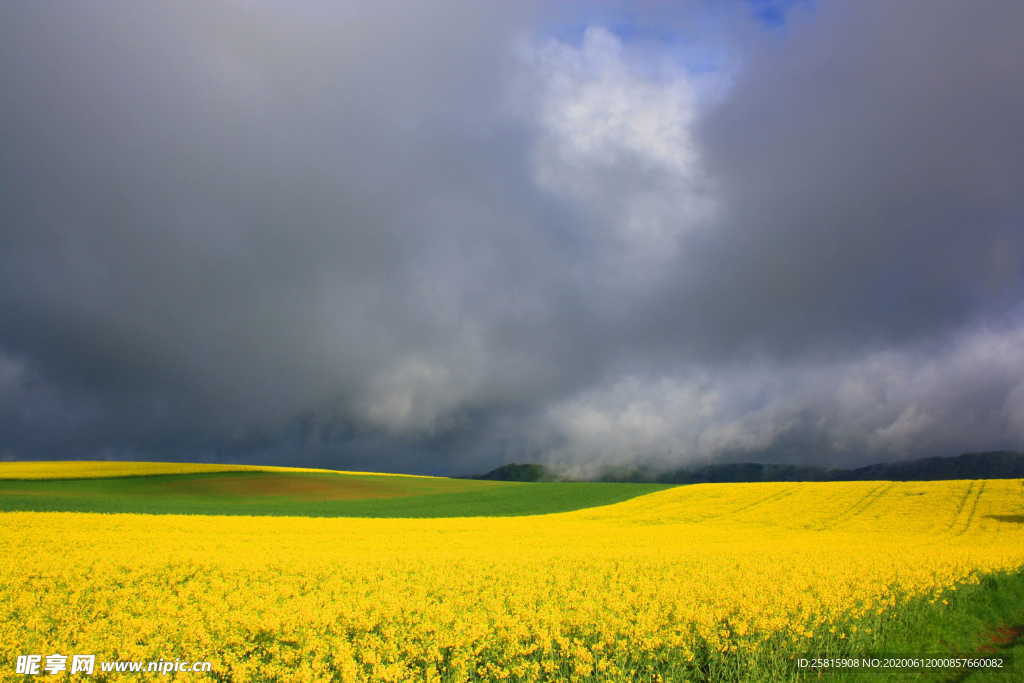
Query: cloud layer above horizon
x=438 y=238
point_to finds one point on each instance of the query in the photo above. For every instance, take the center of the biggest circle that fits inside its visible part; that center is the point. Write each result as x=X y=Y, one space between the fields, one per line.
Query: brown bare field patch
x=1002 y=637
x=310 y=486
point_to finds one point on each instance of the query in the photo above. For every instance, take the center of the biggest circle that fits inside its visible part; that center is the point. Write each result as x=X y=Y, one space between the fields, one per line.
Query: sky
x=439 y=237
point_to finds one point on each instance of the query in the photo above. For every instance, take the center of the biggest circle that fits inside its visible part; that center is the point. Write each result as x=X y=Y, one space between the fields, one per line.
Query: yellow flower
x=710 y=568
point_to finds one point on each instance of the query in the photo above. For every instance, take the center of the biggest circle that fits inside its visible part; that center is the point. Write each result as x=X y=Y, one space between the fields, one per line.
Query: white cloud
x=421 y=394
x=616 y=142
x=883 y=405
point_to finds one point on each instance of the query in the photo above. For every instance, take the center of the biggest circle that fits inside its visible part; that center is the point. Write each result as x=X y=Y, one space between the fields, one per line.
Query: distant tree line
x=988 y=465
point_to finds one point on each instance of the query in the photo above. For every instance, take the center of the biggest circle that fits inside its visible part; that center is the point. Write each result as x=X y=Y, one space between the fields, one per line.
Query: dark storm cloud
x=858 y=292
x=240 y=213
x=869 y=165
x=429 y=237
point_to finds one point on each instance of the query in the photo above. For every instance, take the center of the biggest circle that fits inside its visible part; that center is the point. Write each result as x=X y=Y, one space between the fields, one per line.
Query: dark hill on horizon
x=986 y=465
x=521 y=472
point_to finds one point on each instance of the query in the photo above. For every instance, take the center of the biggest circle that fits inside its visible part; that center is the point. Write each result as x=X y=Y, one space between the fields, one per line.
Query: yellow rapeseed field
x=89 y=469
x=727 y=568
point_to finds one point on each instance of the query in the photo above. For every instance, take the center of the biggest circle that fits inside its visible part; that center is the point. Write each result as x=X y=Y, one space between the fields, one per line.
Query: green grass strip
x=980 y=621
x=419 y=498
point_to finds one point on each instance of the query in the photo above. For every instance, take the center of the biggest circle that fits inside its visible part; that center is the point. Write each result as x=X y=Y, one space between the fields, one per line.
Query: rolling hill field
x=703 y=582
x=176 y=488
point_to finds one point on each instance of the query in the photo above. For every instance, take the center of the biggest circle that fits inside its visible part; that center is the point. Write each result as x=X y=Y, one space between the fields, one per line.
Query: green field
x=308 y=495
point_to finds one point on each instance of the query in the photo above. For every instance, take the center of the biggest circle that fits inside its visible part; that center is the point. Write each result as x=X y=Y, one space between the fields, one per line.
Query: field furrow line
x=973 y=509
x=867 y=502
x=855 y=509
x=874 y=499
x=767 y=499
x=960 y=506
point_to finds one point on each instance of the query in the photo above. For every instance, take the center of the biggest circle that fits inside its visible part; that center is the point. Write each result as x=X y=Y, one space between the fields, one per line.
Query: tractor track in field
x=973 y=509
x=778 y=495
x=960 y=505
x=862 y=504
